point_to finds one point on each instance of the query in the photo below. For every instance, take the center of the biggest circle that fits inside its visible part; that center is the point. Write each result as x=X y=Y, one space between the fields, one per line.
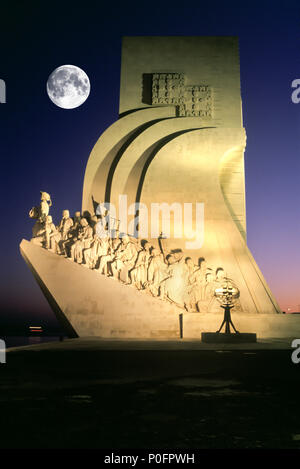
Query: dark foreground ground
x=78 y=394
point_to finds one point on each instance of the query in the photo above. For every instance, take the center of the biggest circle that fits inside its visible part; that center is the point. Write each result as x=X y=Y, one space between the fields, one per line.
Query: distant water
x=19 y=341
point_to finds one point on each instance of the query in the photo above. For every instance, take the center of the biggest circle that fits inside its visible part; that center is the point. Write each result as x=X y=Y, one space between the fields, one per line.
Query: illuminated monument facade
x=175 y=153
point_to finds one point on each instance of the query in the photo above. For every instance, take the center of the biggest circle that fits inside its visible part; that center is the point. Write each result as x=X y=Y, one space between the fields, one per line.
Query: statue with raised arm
x=45 y=205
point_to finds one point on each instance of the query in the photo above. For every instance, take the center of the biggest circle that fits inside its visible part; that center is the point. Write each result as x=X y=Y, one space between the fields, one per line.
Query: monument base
x=223 y=338
x=94 y=305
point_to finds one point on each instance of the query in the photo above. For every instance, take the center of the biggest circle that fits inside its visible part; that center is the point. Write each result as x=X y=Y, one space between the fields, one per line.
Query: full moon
x=68 y=86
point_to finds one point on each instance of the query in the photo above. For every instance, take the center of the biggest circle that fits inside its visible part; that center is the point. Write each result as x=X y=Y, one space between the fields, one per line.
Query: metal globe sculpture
x=227 y=294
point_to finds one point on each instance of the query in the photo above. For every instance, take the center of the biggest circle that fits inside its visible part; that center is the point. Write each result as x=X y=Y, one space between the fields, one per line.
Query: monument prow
x=87 y=303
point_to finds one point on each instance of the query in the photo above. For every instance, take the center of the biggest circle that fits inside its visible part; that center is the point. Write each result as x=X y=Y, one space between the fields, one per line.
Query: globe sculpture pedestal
x=227 y=320
x=227 y=296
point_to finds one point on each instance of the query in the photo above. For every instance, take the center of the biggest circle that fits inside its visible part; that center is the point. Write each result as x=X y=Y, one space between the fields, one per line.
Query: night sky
x=44 y=147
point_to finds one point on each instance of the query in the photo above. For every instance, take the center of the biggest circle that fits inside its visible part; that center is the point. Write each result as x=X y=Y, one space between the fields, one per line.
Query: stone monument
x=163 y=220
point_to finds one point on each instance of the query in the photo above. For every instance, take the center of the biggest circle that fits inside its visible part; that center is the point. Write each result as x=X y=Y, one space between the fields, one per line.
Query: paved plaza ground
x=92 y=393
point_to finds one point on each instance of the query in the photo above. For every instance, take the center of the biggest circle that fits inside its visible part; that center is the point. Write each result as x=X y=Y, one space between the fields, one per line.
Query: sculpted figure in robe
x=38 y=229
x=108 y=255
x=192 y=285
x=43 y=233
x=197 y=283
x=45 y=204
x=175 y=279
x=50 y=231
x=57 y=241
x=176 y=284
x=139 y=272
x=90 y=255
x=38 y=233
x=93 y=222
x=124 y=260
x=72 y=235
x=103 y=247
x=157 y=273
x=209 y=290
x=99 y=247
x=220 y=277
x=77 y=219
x=84 y=240
x=39 y=214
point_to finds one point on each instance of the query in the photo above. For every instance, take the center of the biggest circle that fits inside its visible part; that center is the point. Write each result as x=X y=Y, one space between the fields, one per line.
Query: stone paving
x=90 y=393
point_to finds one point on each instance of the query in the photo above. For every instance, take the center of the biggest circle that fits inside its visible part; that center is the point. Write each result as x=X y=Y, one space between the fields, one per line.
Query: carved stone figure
x=197 y=283
x=99 y=247
x=115 y=241
x=39 y=226
x=108 y=254
x=191 y=271
x=209 y=291
x=57 y=240
x=65 y=224
x=176 y=283
x=34 y=213
x=93 y=222
x=72 y=236
x=50 y=231
x=157 y=273
x=105 y=261
x=175 y=279
x=220 y=276
x=45 y=204
x=124 y=260
x=84 y=240
x=43 y=231
x=38 y=233
x=101 y=228
x=90 y=254
x=77 y=218
x=139 y=272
